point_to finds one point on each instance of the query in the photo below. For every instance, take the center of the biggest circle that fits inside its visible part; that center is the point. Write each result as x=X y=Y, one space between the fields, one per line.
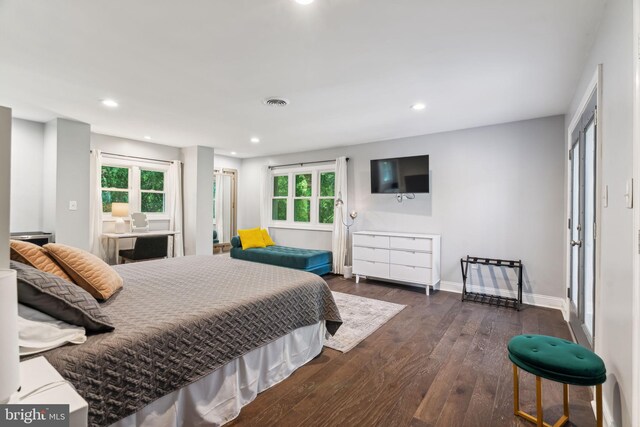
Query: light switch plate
x=628 y=194
x=73 y=205
x=605 y=196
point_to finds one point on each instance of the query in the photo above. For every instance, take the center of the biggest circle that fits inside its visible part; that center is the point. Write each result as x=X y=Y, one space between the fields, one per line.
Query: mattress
x=300 y=259
x=178 y=320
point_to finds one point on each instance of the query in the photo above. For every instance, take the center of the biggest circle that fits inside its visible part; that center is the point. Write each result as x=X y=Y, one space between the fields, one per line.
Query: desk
x=117 y=236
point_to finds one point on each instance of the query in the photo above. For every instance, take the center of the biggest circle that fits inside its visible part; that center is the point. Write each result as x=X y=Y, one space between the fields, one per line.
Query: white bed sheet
x=217 y=398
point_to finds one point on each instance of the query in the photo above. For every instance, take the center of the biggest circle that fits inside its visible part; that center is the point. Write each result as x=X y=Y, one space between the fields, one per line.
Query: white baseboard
x=527 y=298
x=607 y=418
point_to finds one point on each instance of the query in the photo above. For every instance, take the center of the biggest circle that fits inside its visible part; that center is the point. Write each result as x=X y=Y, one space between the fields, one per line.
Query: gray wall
x=27 y=144
x=5 y=183
x=613 y=334
x=72 y=227
x=496 y=191
x=198 y=199
x=129 y=147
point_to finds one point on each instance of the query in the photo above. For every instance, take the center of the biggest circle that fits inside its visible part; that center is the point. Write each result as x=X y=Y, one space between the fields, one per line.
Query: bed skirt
x=218 y=397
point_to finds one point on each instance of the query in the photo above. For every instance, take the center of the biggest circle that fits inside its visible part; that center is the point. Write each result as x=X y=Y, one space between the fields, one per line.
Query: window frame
x=135 y=190
x=315 y=198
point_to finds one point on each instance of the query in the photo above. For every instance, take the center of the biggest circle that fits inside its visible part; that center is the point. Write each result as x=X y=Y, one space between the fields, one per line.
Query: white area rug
x=361 y=317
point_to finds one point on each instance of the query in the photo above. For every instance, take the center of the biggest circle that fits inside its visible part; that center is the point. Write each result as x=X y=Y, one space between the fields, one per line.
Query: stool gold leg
x=539 y=413
x=599 y=405
x=516 y=390
x=565 y=392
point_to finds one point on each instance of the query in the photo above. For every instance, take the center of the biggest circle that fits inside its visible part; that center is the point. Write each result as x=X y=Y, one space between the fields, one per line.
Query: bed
x=183 y=325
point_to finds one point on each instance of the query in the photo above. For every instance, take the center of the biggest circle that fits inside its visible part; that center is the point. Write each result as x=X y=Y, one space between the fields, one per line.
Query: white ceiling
x=195 y=72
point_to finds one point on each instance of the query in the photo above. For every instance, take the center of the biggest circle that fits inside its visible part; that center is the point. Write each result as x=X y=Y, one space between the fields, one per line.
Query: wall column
x=197 y=186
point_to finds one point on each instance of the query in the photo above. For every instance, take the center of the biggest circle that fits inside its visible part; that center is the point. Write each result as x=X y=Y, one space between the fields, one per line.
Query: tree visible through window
x=302 y=200
x=151 y=191
x=326 y=199
x=279 y=201
x=115 y=186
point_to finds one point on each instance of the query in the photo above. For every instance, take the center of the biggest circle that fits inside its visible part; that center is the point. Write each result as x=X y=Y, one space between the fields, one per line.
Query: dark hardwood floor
x=439 y=362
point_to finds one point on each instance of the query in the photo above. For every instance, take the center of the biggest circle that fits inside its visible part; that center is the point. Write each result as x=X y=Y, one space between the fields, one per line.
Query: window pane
x=109 y=197
x=302 y=210
x=326 y=211
x=279 y=209
x=152 y=202
x=281 y=186
x=303 y=185
x=327 y=184
x=151 y=180
x=113 y=177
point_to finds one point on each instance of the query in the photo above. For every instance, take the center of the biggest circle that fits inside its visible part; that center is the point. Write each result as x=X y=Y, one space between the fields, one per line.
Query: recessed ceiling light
x=233 y=153
x=109 y=103
x=418 y=106
x=304 y=2
x=147 y=137
x=255 y=140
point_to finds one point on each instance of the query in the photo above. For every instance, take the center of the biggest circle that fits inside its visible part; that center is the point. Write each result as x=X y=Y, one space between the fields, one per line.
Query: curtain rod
x=303 y=163
x=136 y=157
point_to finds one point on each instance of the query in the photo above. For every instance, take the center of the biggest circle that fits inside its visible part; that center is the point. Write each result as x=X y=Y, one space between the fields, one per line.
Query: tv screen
x=400 y=175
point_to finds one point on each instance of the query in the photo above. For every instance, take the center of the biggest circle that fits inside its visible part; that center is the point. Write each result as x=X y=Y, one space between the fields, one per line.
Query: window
x=143 y=187
x=303 y=197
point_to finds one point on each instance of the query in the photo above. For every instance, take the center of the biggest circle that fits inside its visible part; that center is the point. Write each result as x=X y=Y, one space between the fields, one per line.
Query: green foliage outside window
x=152 y=202
x=279 y=209
x=327 y=184
x=109 y=197
x=280 y=186
x=325 y=212
x=302 y=210
x=151 y=180
x=303 y=185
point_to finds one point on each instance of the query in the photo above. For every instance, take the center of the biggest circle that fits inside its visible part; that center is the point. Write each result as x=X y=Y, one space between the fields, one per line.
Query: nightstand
x=38 y=373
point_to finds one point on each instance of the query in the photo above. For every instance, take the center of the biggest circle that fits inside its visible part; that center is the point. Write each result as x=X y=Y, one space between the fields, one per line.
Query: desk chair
x=146 y=248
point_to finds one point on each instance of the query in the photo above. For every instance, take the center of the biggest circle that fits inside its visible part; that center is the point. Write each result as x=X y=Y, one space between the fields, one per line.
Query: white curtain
x=339 y=244
x=219 y=202
x=265 y=196
x=95 y=206
x=174 y=194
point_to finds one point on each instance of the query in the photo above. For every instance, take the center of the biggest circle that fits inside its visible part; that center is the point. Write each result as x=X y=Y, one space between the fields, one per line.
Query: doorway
x=582 y=224
x=224 y=208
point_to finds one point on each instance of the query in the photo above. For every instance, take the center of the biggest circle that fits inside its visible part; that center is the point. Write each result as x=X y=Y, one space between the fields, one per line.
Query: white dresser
x=408 y=258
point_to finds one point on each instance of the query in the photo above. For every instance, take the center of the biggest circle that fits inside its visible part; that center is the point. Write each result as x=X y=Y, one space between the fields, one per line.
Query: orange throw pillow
x=87 y=270
x=36 y=257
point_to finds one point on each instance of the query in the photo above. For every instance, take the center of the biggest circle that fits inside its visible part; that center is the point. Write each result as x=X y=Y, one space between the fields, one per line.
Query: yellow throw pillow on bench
x=251 y=238
x=267 y=239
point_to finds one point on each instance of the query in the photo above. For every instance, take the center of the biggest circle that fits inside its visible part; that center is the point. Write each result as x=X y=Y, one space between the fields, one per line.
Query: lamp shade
x=9 y=354
x=120 y=209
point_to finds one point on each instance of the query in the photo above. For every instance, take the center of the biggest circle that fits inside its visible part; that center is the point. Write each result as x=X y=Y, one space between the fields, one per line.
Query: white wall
x=613 y=335
x=226 y=162
x=129 y=147
x=5 y=184
x=496 y=191
x=27 y=145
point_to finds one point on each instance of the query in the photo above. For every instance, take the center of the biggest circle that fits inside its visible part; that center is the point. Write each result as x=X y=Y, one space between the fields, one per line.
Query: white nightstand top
x=397 y=234
x=38 y=372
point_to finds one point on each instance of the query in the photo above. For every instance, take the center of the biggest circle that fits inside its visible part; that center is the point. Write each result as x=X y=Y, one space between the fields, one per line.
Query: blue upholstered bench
x=311 y=260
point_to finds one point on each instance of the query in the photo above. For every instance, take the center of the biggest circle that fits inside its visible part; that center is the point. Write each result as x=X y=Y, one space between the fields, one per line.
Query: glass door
x=582 y=225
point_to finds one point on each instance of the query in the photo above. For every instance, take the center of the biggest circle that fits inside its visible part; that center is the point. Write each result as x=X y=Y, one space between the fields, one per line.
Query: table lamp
x=120 y=211
x=9 y=356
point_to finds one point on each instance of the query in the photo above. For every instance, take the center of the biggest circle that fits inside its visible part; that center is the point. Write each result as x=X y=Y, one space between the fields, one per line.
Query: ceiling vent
x=276 y=102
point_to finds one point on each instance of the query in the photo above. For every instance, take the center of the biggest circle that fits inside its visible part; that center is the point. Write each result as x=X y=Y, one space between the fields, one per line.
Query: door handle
x=577 y=243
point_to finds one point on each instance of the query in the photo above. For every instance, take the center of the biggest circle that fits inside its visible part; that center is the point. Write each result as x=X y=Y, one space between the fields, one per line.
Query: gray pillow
x=59 y=298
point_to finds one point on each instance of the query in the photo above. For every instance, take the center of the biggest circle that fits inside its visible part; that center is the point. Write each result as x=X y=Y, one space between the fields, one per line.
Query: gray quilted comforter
x=179 y=319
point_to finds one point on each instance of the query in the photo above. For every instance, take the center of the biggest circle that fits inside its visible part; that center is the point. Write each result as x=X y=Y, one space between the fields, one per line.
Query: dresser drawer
x=371 y=241
x=412 y=258
x=410 y=274
x=412 y=243
x=370 y=254
x=371 y=268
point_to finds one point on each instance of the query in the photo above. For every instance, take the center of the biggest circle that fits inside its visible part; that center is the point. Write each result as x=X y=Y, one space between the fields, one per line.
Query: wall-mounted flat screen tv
x=400 y=175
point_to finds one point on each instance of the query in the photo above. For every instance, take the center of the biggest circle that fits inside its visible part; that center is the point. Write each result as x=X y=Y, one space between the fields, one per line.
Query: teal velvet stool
x=557 y=360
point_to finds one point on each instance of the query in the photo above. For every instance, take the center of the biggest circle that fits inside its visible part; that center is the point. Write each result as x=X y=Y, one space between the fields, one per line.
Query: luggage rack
x=490 y=299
